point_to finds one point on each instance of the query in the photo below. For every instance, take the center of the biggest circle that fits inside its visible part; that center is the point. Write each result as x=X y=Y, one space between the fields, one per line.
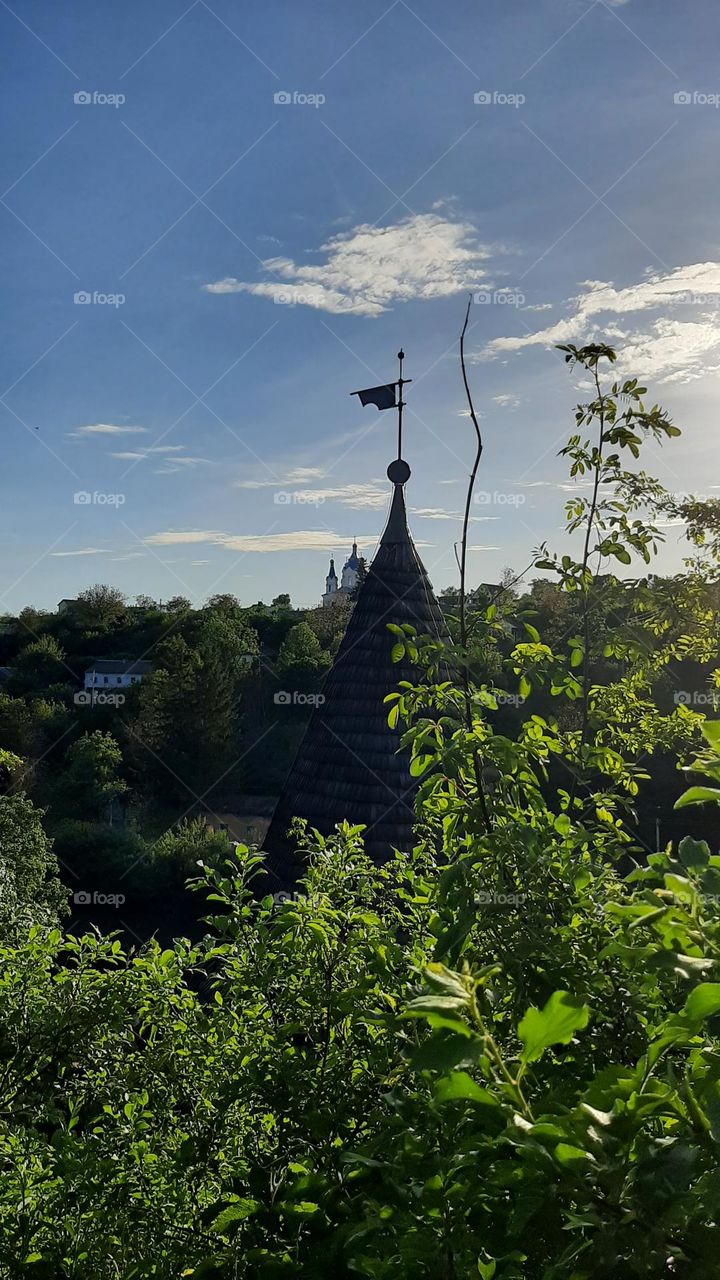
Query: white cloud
x=371 y=494
x=668 y=349
x=438 y=513
x=83 y=551
x=299 y=540
x=297 y=475
x=107 y=429
x=507 y=401
x=367 y=269
x=169 y=465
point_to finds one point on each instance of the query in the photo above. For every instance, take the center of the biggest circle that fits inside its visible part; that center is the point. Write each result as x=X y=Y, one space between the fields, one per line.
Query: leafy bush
x=495 y=1056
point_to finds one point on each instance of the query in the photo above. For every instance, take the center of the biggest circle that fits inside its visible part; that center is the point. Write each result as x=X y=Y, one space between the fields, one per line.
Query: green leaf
x=460 y=1087
x=570 y=1157
x=444 y=1052
x=235 y=1212
x=710 y=730
x=556 y=1023
x=300 y=1208
x=703 y=1002
x=698 y=795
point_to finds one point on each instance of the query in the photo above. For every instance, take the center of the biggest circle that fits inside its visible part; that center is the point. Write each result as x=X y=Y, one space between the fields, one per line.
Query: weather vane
x=390 y=396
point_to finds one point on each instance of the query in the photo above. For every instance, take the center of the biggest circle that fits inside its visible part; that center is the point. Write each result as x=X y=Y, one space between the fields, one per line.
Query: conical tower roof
x=348 y=764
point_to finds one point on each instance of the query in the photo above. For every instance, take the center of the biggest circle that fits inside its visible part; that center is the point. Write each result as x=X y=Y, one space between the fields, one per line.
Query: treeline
x=212 y=728
x=206 y=726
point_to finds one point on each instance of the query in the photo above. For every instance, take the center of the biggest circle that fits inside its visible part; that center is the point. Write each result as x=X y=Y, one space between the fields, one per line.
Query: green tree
x=177 y=853
x=100 y=606
x=30 y=888
x=40 y=666
x=301 y=655
x=90 y=783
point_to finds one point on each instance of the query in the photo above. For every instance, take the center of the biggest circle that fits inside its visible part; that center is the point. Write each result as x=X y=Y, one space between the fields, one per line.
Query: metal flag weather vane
x=385 y=397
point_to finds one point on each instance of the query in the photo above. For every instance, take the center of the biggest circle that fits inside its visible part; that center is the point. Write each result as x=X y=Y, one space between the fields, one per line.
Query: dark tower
x=348 y=764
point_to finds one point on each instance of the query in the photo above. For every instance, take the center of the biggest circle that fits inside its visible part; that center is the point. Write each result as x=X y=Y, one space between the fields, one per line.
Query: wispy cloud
x=82 y=551
x=298 y=540
x=106 y=429
x=507 y=401
x=361 y=496
x=438 y=513
x=667 y=349
x=296 y=475
x=367 y=269
x=171 y=466
x=170 y=456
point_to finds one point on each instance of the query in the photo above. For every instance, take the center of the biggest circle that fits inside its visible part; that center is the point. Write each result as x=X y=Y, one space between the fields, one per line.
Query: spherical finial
x=401 y=354
x=398 y=471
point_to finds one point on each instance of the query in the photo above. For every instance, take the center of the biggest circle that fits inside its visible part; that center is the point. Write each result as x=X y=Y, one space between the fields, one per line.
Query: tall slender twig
x=584 y=585
x=465 y=675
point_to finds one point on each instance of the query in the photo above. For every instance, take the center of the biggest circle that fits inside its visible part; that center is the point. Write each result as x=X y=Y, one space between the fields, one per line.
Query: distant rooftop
x=120 y=667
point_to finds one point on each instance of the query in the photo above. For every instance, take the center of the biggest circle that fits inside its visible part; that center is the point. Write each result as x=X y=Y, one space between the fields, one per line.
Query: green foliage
x=91 y=779
x=178 y=852
x=99 y=607
x=301 y=655
x=30 y=890
x=498 y=1055
x=40 y=666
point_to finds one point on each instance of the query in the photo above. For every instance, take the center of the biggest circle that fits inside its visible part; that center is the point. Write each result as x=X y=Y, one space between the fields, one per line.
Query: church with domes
x=336 y=591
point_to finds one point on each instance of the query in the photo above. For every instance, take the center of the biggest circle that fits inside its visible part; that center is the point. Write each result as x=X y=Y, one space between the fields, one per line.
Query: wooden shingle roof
x=348 y=764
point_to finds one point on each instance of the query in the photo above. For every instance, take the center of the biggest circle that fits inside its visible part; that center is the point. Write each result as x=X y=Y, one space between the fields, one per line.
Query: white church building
x=336 y=591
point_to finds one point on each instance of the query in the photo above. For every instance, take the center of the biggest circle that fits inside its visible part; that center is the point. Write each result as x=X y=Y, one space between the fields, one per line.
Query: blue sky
x=250 y=261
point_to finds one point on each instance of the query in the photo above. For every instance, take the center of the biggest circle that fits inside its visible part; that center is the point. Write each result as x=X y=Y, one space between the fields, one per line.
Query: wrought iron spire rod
x=401 y=383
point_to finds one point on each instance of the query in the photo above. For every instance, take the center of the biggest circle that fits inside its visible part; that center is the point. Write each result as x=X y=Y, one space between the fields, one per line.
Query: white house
x=112 y=673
